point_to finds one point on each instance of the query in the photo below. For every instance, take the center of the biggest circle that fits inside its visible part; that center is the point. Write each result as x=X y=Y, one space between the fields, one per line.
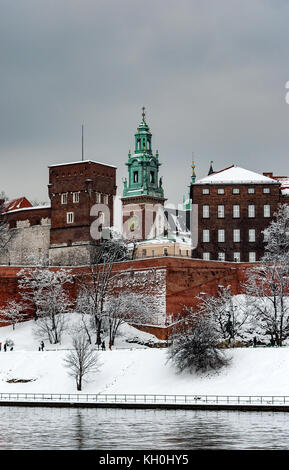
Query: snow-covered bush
x=195 y=345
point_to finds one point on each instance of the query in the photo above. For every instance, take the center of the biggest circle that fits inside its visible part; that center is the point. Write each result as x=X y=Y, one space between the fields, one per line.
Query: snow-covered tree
x=45 y=289
x=229 y=314
x=82 y=360
x=6 y=234
x=195 y=345
x=267 y=282
x=13 y=312
x=96 y=284
x=125 y=308
x=277 y=236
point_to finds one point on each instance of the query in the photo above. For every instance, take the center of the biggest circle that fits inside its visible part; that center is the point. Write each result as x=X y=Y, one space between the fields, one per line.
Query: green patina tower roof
x=143 y=166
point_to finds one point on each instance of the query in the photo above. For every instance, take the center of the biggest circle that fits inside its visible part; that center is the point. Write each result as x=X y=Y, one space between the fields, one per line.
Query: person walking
x=103 y=346
x=5 y=347
x=42 y=345
x=110 y=345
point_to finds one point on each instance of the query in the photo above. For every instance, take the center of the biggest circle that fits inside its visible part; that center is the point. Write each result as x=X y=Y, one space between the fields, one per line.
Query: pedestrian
x=254 y=341
x=110 y=345
x=11 y=349
x=42 y=345
x=103 y=346
x=5 y=346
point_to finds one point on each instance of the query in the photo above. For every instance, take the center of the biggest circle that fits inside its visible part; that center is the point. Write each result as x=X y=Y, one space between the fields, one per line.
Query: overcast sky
x=211 y=74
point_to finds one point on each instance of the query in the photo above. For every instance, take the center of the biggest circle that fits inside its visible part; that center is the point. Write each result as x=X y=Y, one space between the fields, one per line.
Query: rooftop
x=236 y=175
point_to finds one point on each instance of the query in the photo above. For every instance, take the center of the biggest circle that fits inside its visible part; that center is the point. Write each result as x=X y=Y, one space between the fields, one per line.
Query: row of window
x=70 y=217
x=236 y=256
x=236 y=211
x=75 y=198
x=236 y=235
x=235 y=191
x=166 y=252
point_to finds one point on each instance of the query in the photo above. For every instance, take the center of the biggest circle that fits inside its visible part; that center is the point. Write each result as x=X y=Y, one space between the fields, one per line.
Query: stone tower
x=143 y=194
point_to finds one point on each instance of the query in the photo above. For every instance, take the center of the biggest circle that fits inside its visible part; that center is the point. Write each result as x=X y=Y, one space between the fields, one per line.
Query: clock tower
x=143 y=194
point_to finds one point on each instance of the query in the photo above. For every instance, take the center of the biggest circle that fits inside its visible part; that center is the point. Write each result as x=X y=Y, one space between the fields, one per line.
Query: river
x=115 y=429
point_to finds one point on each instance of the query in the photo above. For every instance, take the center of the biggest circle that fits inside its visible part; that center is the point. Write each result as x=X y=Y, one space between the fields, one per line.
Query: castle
x=234 y=206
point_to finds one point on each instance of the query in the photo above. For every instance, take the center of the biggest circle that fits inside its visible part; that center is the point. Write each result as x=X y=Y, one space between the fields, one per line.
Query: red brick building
x=234 y=207
x=81 y=195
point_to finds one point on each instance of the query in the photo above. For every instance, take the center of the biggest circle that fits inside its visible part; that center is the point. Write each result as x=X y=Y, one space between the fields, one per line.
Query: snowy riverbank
x=260 y=371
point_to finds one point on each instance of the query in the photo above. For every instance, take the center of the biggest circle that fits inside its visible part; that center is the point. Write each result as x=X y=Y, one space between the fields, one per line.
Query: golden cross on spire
x=143 y=112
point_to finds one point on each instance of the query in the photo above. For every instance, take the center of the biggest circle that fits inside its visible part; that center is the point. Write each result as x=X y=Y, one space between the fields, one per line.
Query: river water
x=115 y=429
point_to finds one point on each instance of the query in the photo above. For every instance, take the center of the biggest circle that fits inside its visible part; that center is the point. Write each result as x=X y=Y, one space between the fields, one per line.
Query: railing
x=108 y=398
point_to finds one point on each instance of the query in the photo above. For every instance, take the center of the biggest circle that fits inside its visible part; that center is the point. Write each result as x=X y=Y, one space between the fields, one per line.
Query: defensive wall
x=170 y=283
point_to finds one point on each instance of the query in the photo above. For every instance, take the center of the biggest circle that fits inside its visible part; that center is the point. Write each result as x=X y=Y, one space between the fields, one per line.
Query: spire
x=143 y=165
x=193 y=169
x=211 y=168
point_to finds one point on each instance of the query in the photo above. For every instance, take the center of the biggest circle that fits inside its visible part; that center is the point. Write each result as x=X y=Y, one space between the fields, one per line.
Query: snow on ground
x=138 y=369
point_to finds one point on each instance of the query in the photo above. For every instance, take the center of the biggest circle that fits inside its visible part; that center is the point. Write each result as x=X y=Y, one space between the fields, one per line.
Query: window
x=70 y=217
x=221 y=191
x=153 y=252
x=152 y=173
x=251 y=190
x=251 y=210
x=206 y=256
x=236 y=211
x=221 y=212
x=252 y=235
x=221 y=256
x=236 y=235
x=266 y=236
x=135 y=176
x=75 y=197
x=236 y=191
x=98 y=198
x=206 y=212
x=206 y=191
x=144 y=252
x=166 y=252
x=221 y=235
x=266 y=210
x=266 y=190
x=180 y=252
x=187 y=252
x=237 y=257
x=105 y=199
x=252 y=256
x=64 y=198
x=206 y=236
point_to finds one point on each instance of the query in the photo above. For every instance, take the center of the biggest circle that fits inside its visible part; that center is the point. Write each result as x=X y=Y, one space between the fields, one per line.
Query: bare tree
x=267 y=283
x=125 y=308
x=6 y=234
x=45 y=290
x=229 y=314
x=95 y=285
x=82 y=361
x=13 y=312
x=195 y=345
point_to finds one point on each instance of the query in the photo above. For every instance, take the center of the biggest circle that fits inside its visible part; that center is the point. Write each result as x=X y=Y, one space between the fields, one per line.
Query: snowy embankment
x=260 y=371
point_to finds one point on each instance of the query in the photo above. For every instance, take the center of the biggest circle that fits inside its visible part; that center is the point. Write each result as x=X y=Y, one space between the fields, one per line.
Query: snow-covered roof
x=19 y=203
x=236 y=175
x=81 y=161
x=47 y=206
